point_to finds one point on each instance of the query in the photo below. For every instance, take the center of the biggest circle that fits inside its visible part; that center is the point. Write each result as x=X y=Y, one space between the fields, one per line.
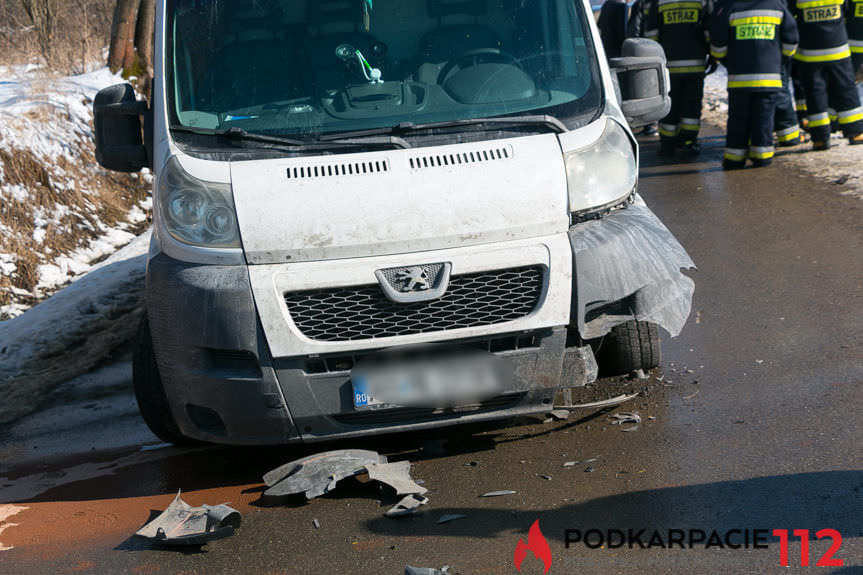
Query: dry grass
x=89 y=199
x=20 y=167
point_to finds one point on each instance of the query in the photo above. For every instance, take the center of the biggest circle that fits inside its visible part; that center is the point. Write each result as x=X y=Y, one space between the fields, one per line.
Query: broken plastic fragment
x=426 y=570
x=498 y=493
x=626 y=417
x=450 y=517
x=407 y=506
x=182 y=524
x=559 y=414
x=397 y=475
x=318 y=474
x=604 y=403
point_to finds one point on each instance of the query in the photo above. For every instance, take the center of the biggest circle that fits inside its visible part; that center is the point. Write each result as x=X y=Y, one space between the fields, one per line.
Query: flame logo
x=537 y=544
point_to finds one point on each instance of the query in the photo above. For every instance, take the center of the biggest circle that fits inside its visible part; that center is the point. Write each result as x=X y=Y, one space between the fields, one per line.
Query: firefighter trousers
x=831 y=84
x=785 y=118
x=750 y=126
x=857 y=61
x=683 y=122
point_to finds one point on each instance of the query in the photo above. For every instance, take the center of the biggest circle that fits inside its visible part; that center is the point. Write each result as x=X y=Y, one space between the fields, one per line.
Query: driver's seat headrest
x=322 y=12
x=441 y=8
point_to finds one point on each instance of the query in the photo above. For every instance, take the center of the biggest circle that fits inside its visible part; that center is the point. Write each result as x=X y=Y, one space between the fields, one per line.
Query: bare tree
x=121 y=53
x=43 y=16
x=145 y=35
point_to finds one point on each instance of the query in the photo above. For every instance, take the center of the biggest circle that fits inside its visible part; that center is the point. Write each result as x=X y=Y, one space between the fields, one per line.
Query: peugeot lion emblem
x=411 y=284
x=413 y=279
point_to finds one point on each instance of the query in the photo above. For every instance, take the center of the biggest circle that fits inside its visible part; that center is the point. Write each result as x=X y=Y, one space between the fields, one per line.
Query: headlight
x=197 y=212
x=603 y=174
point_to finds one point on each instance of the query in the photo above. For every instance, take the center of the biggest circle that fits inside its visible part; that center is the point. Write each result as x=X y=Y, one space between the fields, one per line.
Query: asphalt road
x=755 y=425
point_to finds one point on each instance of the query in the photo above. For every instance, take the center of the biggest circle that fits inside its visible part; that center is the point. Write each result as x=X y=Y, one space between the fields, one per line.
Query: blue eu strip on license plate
x=361 y=396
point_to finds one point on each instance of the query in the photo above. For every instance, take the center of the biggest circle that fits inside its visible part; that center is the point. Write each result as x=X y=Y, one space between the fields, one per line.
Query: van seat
x=259 y=63
x=442 y=44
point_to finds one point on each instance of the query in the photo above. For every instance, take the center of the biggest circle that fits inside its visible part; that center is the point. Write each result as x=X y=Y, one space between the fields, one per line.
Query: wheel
x=474 y=57
x=152 y=402
x=630 y=346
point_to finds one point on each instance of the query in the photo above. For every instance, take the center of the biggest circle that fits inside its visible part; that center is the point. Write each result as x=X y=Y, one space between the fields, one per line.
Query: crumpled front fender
x=627 y=265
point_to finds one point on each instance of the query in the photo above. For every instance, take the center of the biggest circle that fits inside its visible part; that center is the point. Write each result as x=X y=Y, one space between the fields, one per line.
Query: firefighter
x=679 y=25
x=785 y=118
x=637 y=17
x=612 y=26
x=825 y=67
x=751 y=37
x=854 y=25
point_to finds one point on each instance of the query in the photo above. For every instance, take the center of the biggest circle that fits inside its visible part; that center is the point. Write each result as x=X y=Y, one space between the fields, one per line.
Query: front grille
x=363 y=312
x=400 y=415
x=343 y=363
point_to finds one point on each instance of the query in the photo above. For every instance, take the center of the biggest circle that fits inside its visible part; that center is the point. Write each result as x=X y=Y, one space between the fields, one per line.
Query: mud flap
x=627 y=266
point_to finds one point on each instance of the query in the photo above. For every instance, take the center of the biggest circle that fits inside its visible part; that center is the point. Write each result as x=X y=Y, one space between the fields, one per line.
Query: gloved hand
x=712 y=65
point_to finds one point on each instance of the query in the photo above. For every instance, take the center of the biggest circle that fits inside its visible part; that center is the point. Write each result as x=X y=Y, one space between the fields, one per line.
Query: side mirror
x=121 y=144
x=643 y=81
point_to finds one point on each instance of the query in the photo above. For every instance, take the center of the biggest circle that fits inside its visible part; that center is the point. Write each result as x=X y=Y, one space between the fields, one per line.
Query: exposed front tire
x=149 y=392
x=630 y=346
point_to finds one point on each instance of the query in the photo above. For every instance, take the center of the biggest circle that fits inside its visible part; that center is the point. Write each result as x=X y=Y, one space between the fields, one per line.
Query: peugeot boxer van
x=373 y=216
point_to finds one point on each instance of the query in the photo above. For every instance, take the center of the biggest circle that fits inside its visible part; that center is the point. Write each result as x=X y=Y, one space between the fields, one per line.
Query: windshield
x=309 y=69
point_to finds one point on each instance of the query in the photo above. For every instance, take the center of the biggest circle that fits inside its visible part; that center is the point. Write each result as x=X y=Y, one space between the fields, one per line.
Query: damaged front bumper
x=627 y=266
x=225 y=386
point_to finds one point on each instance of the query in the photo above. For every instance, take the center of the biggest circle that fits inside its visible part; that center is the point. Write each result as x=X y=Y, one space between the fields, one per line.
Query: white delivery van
x=376 y=216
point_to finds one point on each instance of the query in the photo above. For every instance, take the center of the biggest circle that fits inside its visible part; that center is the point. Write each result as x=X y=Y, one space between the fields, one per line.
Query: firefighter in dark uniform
x=824 y=59
x=751 y=37
x=854 y=25
x=612 y=26
x=679 y=25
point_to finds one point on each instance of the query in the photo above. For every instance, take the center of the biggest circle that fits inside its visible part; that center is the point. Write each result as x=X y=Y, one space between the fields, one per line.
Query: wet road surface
x=754 y=425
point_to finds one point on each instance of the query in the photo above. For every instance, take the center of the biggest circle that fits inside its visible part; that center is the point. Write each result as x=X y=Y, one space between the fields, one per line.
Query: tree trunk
x=43 y=15
x=122 y=50
x=145 y=36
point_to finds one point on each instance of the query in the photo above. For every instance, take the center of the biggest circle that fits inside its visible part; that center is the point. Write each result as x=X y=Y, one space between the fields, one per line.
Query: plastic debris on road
x=498 y=493
x=559 y=414
x=604 y=403
x=407 y=506
x=182 y=524
x=626 y=417
x=396 y=475
x=450 y=517
x=426 y=570
x=318 y=474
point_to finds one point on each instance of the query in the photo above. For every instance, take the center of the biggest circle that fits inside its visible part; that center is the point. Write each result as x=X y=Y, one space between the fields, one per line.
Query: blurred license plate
x=428 y=383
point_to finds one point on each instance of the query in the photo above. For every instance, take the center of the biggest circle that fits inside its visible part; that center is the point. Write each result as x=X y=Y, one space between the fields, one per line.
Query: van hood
x=400 y=201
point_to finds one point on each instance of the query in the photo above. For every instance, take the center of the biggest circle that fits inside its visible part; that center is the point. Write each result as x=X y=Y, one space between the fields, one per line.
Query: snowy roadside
x=61 y=212
x=71 y=332
x=841 y=165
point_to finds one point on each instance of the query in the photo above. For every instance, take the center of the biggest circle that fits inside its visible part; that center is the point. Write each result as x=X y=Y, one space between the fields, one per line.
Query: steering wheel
x=475 y=57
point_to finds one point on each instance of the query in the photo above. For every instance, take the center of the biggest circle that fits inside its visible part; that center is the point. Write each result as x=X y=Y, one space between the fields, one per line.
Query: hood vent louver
x=460 y=158
x=364 y=168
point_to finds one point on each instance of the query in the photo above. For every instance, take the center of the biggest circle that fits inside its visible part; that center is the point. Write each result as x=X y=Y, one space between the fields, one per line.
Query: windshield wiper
x=235 y=133
x=239 y=134
x=409 y=127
